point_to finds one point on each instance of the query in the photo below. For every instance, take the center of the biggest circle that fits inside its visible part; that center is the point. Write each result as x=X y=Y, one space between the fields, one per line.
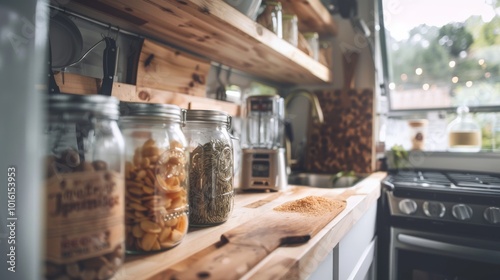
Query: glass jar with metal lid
x=84 y=186
x=312 y=39
x=211 y=190
x=156 y=176
x=271 y=17
x=291 y=29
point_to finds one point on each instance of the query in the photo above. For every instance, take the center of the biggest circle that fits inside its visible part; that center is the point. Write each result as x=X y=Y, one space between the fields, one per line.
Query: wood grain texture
x=302 y=259
x=344 y=142
x=78 y=84
x=165 y=68
x=248 y=244
x=359 y=199
x=214 y=30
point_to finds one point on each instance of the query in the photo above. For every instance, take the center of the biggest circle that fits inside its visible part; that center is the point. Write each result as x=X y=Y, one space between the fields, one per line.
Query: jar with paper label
x=156 y=176
x=84 y=186
x=211 y=186
x=464 y=134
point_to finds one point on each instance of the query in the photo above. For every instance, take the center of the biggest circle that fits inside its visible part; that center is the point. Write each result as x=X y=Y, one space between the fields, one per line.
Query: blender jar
x=264 y=118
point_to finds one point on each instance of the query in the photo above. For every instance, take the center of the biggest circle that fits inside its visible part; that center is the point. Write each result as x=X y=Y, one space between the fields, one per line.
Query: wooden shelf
x=212 y=29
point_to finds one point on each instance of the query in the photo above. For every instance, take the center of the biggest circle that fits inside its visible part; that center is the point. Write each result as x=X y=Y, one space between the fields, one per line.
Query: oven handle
x=476 y=253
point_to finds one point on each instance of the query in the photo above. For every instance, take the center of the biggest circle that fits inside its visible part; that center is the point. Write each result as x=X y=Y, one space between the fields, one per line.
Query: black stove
x=445 y=196
x=440 y=223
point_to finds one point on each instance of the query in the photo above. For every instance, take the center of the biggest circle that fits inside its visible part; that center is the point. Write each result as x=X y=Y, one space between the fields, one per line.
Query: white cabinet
x=354 y=257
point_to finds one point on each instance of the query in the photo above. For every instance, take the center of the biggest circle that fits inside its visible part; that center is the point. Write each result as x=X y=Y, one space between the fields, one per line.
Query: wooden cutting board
x=245 y=246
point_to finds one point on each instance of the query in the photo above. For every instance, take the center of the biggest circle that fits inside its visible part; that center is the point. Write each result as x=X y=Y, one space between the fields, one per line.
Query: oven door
x=418 y=255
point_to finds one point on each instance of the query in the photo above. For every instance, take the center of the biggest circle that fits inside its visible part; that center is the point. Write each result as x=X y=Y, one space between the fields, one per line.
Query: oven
x=439 y=225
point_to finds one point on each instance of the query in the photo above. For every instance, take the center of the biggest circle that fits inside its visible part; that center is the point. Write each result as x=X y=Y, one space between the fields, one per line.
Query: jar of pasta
x=156 y=197
x=211 y=192
x=84 y=186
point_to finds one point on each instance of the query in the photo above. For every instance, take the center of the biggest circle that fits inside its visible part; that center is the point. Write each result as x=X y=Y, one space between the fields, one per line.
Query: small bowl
x=246 y=7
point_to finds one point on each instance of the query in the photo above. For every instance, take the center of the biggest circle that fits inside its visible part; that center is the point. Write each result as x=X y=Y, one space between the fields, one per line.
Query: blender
x=263 y=153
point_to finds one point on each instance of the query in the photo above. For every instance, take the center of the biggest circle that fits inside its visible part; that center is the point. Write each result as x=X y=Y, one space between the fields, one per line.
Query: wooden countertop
x=292 y=262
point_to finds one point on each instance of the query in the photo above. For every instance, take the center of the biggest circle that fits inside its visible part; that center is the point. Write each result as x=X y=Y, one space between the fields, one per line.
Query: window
x=438 y=55
x=442 y=53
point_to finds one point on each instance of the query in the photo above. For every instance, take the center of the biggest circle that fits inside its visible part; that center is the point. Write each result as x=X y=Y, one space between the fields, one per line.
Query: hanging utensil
x=65 y=39
x=220 y=92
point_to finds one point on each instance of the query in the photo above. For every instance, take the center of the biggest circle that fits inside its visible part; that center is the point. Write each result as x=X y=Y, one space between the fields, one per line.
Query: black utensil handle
x=108 y=65
x=53 y=87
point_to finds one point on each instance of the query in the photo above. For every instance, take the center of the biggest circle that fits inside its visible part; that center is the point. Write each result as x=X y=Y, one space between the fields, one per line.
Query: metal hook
x=117 y=33
x=109 y=30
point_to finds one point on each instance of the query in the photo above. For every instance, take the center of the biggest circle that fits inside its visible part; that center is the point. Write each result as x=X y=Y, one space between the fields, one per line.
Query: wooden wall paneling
x=344 y=142
x=77 y=84
x=165 y=68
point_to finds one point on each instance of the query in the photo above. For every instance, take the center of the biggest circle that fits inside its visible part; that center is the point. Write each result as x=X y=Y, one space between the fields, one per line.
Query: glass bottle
x=312 y=39
x=271 y=17
x=84 y=186
x=156 y=197
x=211 y=186
x=290 y=29
x=464 y=134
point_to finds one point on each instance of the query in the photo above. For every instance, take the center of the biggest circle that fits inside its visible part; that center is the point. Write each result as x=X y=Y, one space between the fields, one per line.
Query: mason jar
x=312 y=39
x=290 y=29
x=156 y=176
x=271 y=17
x=211 y=190
x=84 y=187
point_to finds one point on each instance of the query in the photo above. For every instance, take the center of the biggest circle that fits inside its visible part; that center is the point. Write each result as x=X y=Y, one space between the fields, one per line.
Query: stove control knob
x=492 y=215
x=408 y=206
x=434 y=209
x=462 y=212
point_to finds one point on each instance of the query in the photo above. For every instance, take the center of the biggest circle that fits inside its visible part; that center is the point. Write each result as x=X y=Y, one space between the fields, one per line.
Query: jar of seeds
x=156 y=176
x=84 y=188
x=211 y=192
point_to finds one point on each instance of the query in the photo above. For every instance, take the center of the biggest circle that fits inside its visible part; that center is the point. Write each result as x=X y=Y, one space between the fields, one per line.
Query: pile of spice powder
x=311 y=205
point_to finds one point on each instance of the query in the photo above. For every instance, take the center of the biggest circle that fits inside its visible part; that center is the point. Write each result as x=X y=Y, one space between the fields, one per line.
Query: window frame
x=386 y=91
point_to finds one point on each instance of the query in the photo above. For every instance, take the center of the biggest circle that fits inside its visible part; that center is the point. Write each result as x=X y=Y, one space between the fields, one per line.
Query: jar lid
x=273 y=3
x=97 y=104
x=167 y=111
x=310 y=35
x=417 y=122
x=208 y=116
x=288 y=16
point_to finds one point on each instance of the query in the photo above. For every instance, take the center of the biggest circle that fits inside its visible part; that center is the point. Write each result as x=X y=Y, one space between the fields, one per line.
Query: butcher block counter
x=255 y=209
